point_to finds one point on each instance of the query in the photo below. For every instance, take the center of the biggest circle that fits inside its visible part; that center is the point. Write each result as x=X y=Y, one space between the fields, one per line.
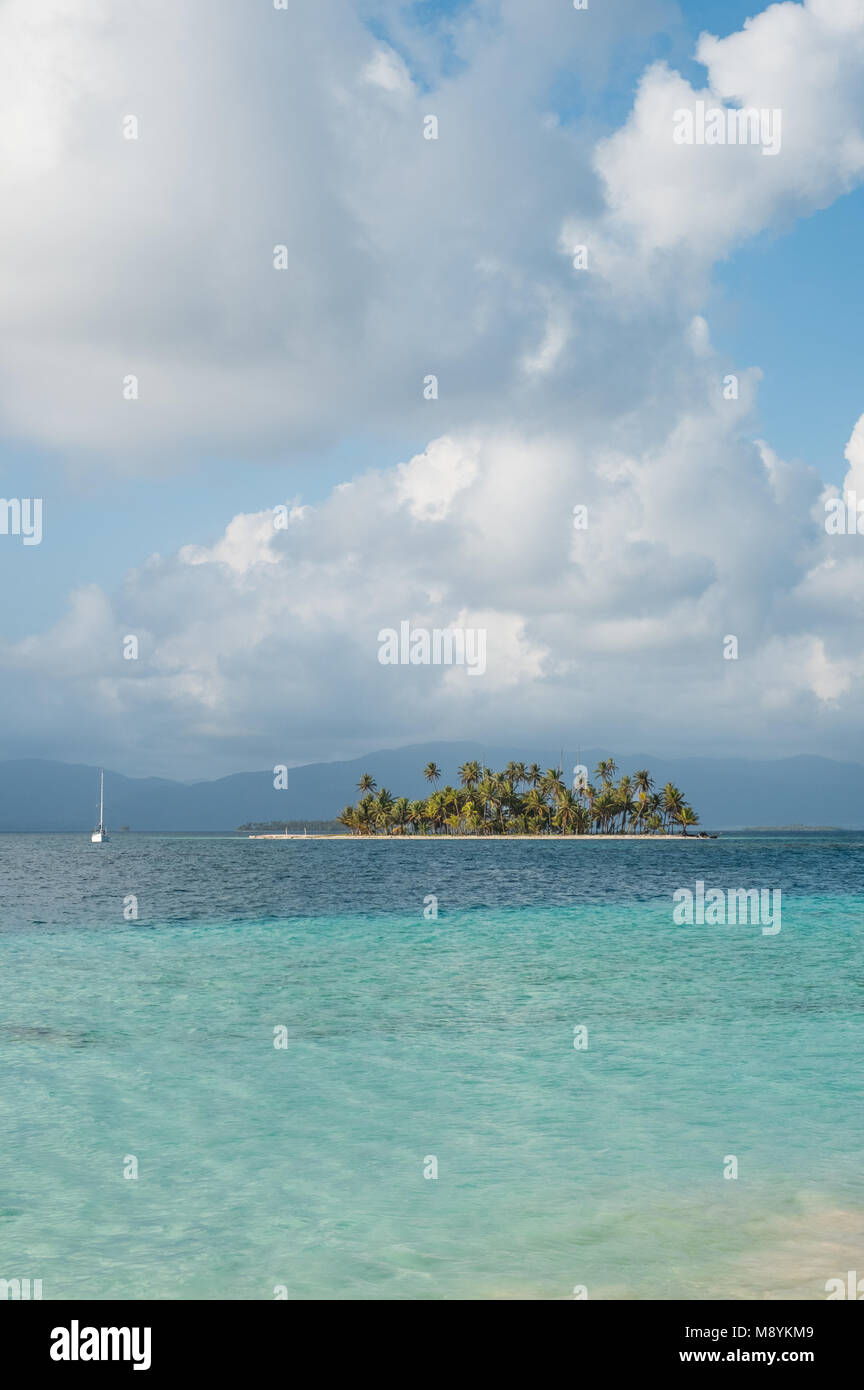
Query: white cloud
x=266 y=641
x=258 y=129
x=387 y=70
x=805 y=61
x=432 y=480
x=854 y=455
x=558 y=387
x=245 y=544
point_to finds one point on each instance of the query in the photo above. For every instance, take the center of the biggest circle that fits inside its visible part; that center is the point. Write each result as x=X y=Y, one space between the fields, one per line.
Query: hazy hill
x=40 y=795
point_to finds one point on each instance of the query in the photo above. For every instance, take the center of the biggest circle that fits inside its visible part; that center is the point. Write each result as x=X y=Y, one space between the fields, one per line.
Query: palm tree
x=624 y=793
x=469 y=774
x=510 y=802
x=496 y=801
x=606 y=770
x=535 y=806
x=673 y=800
x=686 y=816
x=553 y=786
x=419 y=816
x=570 y=814
x=590 y=795
x=401 y=814
x=486 y=791
x=384 y=809
x=490 y=802
x=605 y=809
x=642 y=783
x=435 y=810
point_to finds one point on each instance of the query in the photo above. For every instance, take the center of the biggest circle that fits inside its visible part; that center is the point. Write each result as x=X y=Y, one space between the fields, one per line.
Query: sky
x=152 y=159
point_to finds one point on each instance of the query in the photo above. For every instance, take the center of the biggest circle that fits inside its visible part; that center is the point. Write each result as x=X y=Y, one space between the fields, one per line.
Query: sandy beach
x=441 y=839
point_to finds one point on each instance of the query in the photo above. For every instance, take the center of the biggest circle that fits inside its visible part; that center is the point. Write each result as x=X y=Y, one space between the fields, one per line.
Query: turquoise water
x=303 y=1167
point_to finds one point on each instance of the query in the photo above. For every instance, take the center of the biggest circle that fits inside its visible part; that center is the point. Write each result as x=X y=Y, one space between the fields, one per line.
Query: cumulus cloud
x=259 y=129
x=561 y=387
x=431 y=482
x=801 y=61
x=263 y=647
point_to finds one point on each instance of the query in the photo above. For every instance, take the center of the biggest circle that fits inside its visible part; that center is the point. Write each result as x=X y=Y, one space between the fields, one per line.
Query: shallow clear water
x=407 y=1038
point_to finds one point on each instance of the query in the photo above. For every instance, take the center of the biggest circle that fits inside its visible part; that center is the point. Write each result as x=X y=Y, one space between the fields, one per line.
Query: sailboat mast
x=101 y=796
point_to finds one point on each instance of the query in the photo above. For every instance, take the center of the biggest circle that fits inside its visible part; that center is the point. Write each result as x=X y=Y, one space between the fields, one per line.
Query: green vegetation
x=522 y=801
x=293 y=827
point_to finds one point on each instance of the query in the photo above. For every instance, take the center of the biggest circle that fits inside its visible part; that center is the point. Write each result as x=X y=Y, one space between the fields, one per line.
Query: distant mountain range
x=38 y=795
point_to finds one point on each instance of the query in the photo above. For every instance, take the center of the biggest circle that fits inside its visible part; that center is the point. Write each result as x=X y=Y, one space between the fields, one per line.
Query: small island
x=287 y=829
x=524 y=801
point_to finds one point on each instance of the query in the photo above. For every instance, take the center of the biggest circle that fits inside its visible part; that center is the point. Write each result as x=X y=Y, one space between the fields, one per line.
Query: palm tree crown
x=523 y=800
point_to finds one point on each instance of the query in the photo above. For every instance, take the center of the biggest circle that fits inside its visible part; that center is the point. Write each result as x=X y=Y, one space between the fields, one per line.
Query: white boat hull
x=99 y=837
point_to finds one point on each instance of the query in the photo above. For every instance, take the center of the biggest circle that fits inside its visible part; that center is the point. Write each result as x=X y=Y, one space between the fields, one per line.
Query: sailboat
x=101 y=835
